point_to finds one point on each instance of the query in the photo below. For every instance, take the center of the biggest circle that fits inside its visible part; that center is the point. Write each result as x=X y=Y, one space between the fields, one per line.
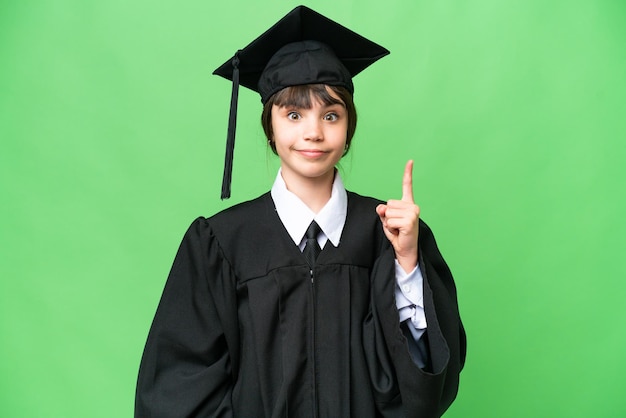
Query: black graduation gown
x=244 y=330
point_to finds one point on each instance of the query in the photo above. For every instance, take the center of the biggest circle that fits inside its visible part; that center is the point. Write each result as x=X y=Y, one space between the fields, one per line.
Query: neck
x=315 y=192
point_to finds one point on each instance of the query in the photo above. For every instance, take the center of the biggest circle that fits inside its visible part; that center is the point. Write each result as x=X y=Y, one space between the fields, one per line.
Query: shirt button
x=406 y=288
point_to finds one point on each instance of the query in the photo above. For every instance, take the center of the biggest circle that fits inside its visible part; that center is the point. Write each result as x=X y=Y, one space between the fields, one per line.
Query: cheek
x=283 y=131
x=280 y=140
x=340 y=133
x=278 y=127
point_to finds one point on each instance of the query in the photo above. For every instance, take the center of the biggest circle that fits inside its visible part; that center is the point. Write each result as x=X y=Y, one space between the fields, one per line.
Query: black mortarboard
x=303 y=47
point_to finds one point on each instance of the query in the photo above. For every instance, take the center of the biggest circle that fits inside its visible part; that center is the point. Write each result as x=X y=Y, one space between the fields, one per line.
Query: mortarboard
x=304 y=47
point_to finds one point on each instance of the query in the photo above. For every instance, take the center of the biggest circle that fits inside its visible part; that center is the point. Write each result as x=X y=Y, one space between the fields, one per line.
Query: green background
x=112 y=136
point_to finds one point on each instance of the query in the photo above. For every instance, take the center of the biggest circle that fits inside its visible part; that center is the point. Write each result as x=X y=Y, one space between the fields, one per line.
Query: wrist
x=408 y=262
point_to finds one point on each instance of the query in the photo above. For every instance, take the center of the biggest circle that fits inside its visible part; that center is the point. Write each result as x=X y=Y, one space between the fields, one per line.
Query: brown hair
x=300 y=96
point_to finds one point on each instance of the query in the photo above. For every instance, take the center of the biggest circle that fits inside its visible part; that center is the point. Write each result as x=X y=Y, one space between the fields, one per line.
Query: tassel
x=232 y=125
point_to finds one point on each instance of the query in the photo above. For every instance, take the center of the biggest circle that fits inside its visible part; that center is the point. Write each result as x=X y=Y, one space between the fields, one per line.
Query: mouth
x=311 y=153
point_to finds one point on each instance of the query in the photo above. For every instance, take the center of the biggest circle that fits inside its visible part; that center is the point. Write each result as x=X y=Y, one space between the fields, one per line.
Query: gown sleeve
x=401 y=388
x=187 y=367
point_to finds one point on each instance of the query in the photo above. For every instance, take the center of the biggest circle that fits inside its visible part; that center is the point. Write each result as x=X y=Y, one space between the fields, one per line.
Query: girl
x=308 y=301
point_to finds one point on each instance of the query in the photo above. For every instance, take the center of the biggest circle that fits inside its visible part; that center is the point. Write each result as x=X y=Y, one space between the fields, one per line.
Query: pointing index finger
x=407 y=182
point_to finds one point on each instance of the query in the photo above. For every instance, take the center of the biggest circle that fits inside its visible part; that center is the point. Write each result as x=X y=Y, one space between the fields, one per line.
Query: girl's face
x=310 y=141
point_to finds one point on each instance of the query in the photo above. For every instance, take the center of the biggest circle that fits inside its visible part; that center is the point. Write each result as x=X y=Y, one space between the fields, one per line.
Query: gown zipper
x=314 y=361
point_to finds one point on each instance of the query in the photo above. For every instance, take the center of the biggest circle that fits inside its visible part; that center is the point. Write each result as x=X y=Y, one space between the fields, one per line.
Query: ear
x=272 y=145
x=346 y=147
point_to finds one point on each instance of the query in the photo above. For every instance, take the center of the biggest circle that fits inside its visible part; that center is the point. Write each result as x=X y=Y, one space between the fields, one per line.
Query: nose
x=313 y=130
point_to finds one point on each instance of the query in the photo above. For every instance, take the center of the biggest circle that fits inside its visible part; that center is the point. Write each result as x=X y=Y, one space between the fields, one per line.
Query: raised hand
x=400 y=219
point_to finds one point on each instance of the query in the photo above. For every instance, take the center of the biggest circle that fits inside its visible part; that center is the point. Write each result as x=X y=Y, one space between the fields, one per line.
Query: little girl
x=308 y=301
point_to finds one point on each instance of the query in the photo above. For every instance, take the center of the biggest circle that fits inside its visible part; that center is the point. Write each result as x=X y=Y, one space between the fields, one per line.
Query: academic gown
x=244 y=328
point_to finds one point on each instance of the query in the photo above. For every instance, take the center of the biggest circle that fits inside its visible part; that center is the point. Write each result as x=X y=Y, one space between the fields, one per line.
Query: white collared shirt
x=297 y=216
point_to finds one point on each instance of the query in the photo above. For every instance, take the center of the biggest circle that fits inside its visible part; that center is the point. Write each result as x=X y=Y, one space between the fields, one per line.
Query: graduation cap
x=303 y=47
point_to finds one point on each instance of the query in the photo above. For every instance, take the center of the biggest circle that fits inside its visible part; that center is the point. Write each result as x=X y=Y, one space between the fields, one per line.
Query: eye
x=331 y=117
x=293 y=115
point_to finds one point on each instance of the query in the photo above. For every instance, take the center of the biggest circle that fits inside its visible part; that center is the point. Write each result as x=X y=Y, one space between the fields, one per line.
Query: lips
x=311 y=153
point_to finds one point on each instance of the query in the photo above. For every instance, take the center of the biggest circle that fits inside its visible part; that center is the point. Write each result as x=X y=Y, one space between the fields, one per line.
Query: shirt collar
x=296 y=216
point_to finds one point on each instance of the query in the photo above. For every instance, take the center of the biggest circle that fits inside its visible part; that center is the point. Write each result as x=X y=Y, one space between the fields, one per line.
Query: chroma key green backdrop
x=112 y=136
